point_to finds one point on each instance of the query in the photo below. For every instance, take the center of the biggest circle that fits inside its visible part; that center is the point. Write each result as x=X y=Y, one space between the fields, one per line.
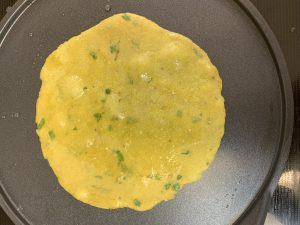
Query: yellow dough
x=129 y=113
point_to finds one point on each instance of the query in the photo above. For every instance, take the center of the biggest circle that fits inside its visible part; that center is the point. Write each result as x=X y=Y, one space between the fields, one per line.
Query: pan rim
x=278 y=162
x=6 y=24
x=280 y=158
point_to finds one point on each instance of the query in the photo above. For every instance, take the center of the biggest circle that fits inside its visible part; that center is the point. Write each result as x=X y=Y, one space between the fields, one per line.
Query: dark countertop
x=283 y=17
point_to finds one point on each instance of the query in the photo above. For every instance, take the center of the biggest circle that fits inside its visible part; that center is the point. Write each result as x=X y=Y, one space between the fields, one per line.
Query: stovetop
x=284 y=19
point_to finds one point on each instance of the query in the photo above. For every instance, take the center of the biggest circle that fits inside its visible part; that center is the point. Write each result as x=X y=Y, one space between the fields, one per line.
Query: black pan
x=258 y=102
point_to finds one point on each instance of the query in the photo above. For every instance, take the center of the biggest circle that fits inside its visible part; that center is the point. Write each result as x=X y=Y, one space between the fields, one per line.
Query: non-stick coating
x=257 y=103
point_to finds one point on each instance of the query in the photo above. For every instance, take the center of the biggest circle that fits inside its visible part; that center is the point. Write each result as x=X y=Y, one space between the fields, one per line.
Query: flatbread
x=128 y=113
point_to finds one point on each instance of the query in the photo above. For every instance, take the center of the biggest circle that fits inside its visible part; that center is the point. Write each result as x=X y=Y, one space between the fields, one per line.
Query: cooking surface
x=293 y=30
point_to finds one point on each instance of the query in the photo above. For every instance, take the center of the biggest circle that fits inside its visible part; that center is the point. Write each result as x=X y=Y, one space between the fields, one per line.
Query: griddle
x=257 y=91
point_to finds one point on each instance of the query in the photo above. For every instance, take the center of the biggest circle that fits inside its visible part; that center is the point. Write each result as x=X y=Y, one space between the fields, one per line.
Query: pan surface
x=256 y=89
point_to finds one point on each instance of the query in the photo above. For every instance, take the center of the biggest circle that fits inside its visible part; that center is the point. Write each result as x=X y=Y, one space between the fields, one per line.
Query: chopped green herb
x=75 y=128
x=107 y=91
x=197 y=53
x=120 y=156
x=179 y=113
x=131 y=120
x=103 y=100
x=51 y=135
x=93 y=55
x=186 y=152
x=176 y=187
x=126 y=17
x=41 y=124
x=110 y=127
x=125 y=169
x=156 y=176
x=136 y=44
x=196 y=119
x=179 y=177
x=98 y=116
x=99 y=177
x=207 y=163
x=130 y=81
x=213 y=77
x=101 y=189
x=167 y=186
x=115 y=50
x=127 y=173
x=137 y=202
x=114 y=118
x=85 y=88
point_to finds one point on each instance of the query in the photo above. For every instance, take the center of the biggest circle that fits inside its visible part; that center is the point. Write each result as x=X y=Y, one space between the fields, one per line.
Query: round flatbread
x=129 y=113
